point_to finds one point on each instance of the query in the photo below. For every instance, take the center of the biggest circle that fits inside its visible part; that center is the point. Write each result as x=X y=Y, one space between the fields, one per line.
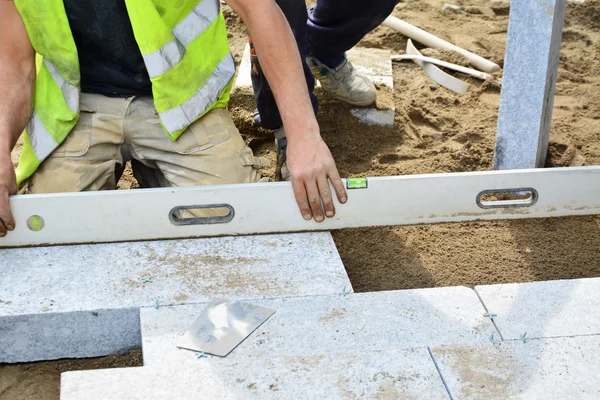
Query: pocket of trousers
x=203 y=134
x=79 y=139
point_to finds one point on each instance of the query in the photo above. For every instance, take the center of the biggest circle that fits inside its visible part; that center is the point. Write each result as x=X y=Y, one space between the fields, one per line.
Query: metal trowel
x=222 y=326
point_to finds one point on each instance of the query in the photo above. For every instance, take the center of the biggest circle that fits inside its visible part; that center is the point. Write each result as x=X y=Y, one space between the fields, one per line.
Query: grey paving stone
x=373 y=116
x=83 y=301
x=559 y=368
x=544 y=309
x=394 y=374
x=336 y=323
x=452 y=8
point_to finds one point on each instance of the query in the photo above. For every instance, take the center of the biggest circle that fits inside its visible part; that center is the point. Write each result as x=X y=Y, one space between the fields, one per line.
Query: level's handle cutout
x=35 y=223
x=507 y=198
x=202 y=215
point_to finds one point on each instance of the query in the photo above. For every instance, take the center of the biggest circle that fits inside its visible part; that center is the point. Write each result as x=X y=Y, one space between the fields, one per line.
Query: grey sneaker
x=281 y=145
x=344 y=82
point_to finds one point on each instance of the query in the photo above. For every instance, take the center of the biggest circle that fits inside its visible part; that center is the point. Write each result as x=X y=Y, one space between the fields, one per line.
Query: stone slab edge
x=319 y=324
x=544 y=309
x=68 y=322
x=559 y=368
x=406 y=373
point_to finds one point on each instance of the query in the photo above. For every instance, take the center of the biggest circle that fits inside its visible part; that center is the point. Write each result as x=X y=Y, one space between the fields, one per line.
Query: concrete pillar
x=530 y=70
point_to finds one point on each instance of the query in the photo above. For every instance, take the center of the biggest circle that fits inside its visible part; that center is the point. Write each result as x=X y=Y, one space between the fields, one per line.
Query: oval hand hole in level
x=35 y=223
x=507 y=198
x=202 y=215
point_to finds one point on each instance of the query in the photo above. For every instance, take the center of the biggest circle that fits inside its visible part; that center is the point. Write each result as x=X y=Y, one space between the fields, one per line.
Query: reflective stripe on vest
x=192 y=26
x=181 y=117
x=70 y=92
x=41 y=140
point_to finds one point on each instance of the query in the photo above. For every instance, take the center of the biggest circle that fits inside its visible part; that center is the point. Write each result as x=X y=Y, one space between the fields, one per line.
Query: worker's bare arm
x=308 y=158
x=17 y=75
x=17 y=78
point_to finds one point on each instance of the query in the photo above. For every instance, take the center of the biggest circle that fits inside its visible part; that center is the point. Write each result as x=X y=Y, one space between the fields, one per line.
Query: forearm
x=281 y=64
x=16 y=97
x=17 y=76
x=309 y=160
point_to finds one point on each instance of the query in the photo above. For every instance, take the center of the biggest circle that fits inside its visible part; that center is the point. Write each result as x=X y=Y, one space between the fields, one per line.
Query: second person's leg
x=334 y=27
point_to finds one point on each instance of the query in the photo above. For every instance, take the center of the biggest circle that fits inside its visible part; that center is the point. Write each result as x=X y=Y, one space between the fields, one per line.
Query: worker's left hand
x=312 y=168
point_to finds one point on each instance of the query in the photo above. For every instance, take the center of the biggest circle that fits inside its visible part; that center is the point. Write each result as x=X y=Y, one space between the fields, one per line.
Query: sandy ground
x=439 y=131
x=435 y=131
x=41 y=380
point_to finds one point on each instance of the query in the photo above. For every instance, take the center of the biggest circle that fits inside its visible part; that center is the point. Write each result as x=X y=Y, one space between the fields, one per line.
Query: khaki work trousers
x=113 y=130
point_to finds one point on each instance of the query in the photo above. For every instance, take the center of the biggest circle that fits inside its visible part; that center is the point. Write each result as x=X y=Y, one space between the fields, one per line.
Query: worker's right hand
x=8 y=187
x=312 y=168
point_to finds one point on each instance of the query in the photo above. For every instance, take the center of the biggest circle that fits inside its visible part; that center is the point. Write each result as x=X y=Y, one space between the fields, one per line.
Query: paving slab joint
x=88 y=303
x=437 y=367
x=537 y=338
x=489 y=314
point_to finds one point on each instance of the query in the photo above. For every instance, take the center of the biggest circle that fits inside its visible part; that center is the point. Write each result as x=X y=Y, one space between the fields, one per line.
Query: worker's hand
x=308 y=158
x=8 y=187
x=311 y=168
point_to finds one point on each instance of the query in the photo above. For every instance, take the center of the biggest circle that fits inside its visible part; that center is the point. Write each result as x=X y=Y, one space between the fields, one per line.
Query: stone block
x=332 y=324
x=544 y=309
x=452 y=8
x=530 y=71
x=559 y=368
x=83 y=301
x=388 y=374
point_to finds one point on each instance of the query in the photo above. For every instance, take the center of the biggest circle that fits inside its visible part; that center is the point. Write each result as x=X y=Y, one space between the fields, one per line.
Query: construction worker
x=146 y=81
x=323 y=34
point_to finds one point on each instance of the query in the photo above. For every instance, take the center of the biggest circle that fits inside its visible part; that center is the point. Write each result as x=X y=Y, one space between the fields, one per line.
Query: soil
x=41 y=380
x=439 y=131
x=435 y=131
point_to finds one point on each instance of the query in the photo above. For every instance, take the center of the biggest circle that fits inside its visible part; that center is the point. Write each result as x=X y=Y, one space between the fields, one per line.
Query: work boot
x=281 y=145
x=344 y=82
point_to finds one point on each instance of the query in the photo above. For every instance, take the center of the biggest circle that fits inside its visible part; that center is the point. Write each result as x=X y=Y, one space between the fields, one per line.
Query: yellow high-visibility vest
x=184 y=46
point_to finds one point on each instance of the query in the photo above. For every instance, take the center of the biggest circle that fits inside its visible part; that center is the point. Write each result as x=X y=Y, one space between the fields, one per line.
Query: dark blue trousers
x=326 y=30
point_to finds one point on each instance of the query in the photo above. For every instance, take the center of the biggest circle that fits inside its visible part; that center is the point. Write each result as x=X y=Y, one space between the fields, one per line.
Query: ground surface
x=41 y=380
x=439 y=131
x=436 y=131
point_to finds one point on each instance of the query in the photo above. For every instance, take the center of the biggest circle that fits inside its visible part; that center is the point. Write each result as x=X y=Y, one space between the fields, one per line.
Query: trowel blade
x=222 y=326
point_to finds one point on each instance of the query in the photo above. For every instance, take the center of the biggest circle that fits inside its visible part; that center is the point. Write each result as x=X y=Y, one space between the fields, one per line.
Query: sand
x=435 y=131
x=41 y=380
x=439 y=131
